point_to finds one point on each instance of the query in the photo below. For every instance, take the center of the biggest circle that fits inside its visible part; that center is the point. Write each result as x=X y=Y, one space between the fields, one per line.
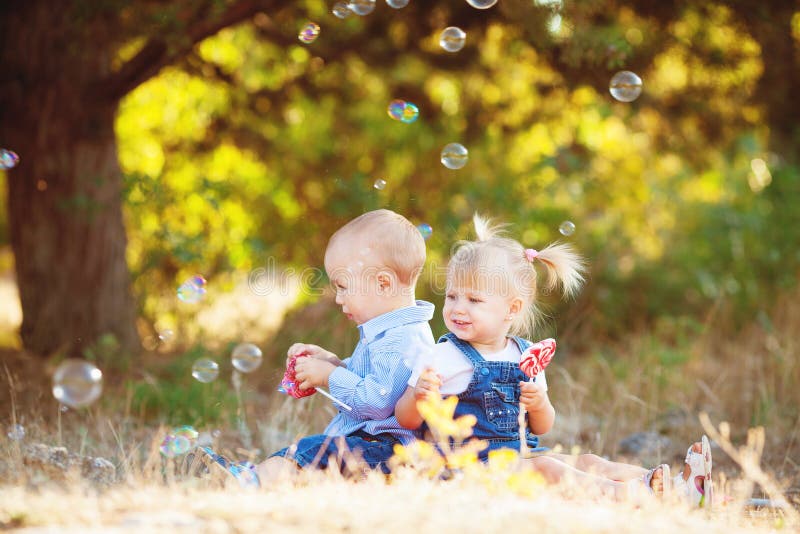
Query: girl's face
x=480 y=313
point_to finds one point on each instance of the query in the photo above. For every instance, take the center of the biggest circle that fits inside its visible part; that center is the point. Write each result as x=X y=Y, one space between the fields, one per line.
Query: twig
x=747 y=458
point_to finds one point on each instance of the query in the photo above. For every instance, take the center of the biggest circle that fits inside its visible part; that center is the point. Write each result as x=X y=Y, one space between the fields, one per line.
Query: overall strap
x=473 y=355
x=522 y=343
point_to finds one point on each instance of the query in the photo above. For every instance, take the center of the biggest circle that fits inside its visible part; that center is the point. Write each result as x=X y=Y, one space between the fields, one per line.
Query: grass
x=327 y=504
x=651 y=381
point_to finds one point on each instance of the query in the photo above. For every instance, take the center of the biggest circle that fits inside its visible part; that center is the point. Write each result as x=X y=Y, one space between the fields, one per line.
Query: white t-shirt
x=456 y=369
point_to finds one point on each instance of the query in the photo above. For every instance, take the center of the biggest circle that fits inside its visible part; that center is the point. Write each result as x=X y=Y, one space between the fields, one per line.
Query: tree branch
x=157 y=52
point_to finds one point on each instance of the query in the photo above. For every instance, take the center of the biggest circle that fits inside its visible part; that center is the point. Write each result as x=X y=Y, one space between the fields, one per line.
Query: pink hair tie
x=531 y=254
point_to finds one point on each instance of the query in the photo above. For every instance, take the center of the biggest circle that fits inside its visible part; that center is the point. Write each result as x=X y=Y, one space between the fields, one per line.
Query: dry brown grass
x=325 y=503
x=650 y=382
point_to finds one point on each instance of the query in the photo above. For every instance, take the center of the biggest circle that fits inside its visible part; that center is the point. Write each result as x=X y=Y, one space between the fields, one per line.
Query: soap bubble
x=246 y=357
x=179 y=441
x=410 y=113
x=625 y=86
x=309 y=33
x=77 y=383
x=361 y=7
x=16 y=432
x=379 y=184
x=166 y=335
x=452 y=39
x=341 y=10
x=454 y=156
x=397 y=4
x=402 y=111
x=425 y=229
x=205 y=370
x=192 y=290
x=567 y=228
x=187 y=431
x=481 y=4
x=396 y=108
x=8 y=159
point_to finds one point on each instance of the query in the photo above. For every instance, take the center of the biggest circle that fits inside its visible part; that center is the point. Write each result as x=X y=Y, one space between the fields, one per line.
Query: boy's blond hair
x=393 y=239
x=500 y=263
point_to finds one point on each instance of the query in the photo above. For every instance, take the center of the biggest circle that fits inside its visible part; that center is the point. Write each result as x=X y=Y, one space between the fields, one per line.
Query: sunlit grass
x=680 y=367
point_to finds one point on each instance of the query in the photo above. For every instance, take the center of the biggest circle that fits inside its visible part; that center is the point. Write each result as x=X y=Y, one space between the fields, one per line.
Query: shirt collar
x=421 y=311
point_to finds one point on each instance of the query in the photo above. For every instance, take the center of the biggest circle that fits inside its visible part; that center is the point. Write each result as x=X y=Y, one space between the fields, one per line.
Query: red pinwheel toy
x=289 y=382
x=290 y=387
x=536 y=357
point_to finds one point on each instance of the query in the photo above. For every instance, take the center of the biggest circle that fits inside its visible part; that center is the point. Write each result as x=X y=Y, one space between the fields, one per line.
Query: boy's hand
x=428 y=384
x=312 y=372
x=533 y=396
x=314 y=351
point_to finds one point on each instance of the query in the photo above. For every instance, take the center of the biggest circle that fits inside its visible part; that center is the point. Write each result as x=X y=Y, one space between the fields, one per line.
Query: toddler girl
x=490 y=301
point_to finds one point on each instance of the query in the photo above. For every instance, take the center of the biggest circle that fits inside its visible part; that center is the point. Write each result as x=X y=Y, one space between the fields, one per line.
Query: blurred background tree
x=222 y=141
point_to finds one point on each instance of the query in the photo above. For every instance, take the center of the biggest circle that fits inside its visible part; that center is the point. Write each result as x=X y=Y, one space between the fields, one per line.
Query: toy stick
x=334 y=399
x=532 y=362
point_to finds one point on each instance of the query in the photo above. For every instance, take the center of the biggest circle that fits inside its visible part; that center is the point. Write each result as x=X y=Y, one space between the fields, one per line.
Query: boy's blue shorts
x=349 y=452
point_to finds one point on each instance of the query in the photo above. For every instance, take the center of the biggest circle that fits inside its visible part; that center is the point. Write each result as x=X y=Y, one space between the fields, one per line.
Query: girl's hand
x=314 y=351
x=533 y=396
x=312 y=372
x=428 y=384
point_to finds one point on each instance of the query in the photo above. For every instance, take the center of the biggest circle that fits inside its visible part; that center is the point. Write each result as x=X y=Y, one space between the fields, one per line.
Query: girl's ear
x=515 y=307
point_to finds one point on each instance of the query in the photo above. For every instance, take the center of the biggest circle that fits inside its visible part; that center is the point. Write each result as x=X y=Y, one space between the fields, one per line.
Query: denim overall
x=492 y=396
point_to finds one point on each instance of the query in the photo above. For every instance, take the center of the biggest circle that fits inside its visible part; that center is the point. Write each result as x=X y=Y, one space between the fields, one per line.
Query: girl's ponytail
x=562 y=264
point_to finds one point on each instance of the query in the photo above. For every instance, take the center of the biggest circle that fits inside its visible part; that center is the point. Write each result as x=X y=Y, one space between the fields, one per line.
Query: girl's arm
x=406 y=410
x=541 y=414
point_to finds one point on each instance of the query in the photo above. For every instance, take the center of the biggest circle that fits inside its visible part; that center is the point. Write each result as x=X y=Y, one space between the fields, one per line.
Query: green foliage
x=255 y=146
x=105 y=352
x=259 y=149
x=175 y=398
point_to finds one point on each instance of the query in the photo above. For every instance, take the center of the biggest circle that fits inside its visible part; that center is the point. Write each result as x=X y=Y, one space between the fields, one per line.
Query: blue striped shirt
x=376 y=375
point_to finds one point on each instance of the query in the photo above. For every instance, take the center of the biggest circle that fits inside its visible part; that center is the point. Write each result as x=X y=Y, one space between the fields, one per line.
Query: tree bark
x=771 y=25
x=64 y=197
x=58 y=101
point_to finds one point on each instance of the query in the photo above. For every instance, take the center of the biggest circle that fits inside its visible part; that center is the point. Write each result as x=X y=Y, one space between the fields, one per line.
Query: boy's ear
x=386 y=280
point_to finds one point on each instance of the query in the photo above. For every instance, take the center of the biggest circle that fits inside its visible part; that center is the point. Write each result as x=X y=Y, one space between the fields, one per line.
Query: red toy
x=289 y=382
x=536 y=357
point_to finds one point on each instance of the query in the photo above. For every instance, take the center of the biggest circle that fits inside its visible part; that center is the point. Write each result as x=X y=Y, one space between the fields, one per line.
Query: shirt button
x=484 y=371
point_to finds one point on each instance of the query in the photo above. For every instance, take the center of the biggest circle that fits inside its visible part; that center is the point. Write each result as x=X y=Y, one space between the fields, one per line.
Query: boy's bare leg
x=591 y=463
x=276 y=469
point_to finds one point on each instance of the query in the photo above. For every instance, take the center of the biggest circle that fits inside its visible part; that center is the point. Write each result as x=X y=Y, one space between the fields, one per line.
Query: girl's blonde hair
x=499 y=263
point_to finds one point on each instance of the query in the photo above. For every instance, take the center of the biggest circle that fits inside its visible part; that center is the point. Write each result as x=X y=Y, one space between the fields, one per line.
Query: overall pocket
x=502 y=406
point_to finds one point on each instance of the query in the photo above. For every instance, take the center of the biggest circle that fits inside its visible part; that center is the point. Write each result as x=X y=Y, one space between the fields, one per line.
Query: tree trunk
x=771 y=25
x=64 y=197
